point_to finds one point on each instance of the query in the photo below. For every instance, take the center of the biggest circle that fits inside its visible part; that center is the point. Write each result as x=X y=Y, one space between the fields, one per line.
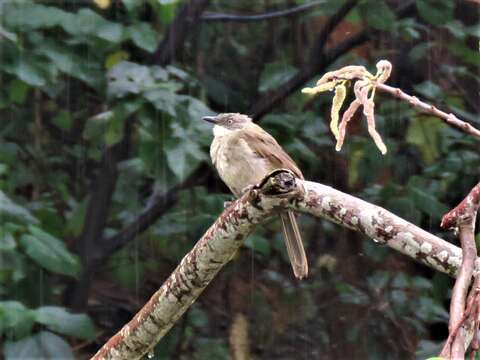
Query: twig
x=462 y=316
x=212 y=16
x=317 y=62
x=327 y=29
x=462 y=284
x=320 y=58
x=183 y=25
x=450 y=119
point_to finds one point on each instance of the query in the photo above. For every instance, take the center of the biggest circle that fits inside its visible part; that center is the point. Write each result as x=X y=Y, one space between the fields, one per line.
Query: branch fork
x=197 y=269
x=464 y=323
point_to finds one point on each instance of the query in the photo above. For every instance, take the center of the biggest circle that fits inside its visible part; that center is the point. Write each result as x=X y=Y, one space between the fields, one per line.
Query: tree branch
x=182 y=26
x=98 y=207
x=467 y=208
x=226 y=235
x=100 y=198
x=463 y=314
x=199 y=267
x=450 y=119
x=317 y=62
x=158 y=204
x=212 y=16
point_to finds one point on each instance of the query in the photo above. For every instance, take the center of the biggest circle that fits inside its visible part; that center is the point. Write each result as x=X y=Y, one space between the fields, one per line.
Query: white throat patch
x=220 y=131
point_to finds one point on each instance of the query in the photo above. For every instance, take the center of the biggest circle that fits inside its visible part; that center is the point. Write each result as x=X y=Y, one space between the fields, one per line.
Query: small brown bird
x=244 y=154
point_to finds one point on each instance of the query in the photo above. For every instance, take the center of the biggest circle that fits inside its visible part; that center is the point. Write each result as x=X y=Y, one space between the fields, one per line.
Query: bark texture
x=199 y=267
x=221 y=241
x=382 y=226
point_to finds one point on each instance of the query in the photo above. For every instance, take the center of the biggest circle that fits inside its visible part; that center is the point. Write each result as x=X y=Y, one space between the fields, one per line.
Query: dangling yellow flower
x=102 y=4
x=364 y=90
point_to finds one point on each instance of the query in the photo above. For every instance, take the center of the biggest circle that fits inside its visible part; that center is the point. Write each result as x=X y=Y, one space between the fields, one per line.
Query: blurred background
x=106 y=182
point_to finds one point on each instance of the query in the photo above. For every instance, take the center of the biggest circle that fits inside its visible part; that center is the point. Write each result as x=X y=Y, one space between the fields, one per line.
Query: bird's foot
x=248 y=188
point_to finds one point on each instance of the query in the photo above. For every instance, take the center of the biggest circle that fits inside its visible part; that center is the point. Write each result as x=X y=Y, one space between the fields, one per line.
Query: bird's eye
x=229 y=121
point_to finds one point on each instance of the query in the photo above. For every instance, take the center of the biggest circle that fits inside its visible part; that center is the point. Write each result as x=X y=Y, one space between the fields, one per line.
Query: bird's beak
x=210 y=119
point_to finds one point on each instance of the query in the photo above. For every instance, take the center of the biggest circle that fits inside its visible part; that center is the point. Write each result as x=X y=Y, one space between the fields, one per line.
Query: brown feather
x=265 y=146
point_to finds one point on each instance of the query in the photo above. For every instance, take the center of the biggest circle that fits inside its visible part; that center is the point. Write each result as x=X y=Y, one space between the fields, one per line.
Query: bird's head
x=225 y=123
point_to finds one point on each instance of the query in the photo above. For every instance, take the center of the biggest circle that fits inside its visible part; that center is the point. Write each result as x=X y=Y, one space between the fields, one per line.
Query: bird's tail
x=294 y=244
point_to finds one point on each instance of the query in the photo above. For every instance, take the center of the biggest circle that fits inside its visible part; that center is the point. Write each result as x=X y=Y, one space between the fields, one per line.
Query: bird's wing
x=265 y=146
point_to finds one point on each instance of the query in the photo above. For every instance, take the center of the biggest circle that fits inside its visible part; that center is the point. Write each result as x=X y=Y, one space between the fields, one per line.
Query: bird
x=244 y=154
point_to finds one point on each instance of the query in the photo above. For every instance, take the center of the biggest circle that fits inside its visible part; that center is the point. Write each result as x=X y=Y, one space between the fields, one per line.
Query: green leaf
x=76 y=218
x=41 y=346
x=274 y=75
x=88 y=23
x=97 y=125
x=15 y=319
x=404 y=207
x=110 y=31
x=429 y=90
x=165 y=9
x=18 y=91
x=351 y=295
x=127 y=77
x=68 y=62
x=437 y=12
x=30 y=71
x=427 y=348
x=378 y=14
x=258 y=243
x=144 y=36
x=115 y=58
x=49 y=252
x=163 y=100
x=8 y=35
x=461 y=50
x=63 y=120
x=9 y=209
x=425 y=133
x=28 y=16
x=427 y=203
x=7 y=241
x=58 y=319
x=133 y=5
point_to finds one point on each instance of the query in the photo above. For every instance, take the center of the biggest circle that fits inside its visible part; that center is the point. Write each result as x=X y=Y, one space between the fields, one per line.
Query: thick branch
x=463 y=211
x=158 y=204
x=226 y=235
x=96 y=216
x=381 y=226
x=198 y=268
x=182 y=26
x=211 y=16
x=450 y=119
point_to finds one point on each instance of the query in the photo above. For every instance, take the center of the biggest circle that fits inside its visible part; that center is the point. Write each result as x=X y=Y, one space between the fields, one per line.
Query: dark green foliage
x=82 y=92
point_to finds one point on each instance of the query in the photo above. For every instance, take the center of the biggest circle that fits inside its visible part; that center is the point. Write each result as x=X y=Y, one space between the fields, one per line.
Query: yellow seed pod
x=102 y=4
x=338 y=99
x=321 y=88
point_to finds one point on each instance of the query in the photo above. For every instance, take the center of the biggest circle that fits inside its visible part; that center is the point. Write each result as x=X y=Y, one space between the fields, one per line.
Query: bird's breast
x=237 y=164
